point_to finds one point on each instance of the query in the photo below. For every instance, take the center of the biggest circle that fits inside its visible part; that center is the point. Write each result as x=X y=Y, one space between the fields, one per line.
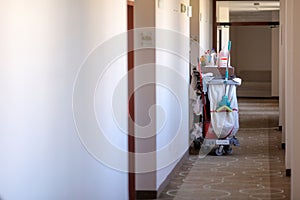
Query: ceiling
x=250 y=5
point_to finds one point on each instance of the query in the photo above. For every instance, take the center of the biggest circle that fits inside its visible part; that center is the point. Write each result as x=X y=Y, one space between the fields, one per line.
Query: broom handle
x=228 y=56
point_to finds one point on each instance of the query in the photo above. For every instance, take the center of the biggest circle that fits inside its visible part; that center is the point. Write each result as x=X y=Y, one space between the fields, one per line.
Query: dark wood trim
x=288 y=172
x=214 y=24
x=247 y=23
x=131 y=117
x=130 y=3
x=146 y=194
x=220 y=39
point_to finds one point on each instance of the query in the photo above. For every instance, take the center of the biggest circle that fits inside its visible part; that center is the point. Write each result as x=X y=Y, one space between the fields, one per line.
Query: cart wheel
x=219 y=152
x=228 y=150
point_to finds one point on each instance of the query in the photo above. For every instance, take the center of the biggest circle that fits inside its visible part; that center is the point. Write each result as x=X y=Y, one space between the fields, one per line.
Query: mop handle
x=226 y=73
x=229 y=46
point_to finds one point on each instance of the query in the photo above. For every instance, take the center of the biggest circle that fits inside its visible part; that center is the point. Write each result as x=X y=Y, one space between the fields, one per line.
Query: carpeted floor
x=255 y=170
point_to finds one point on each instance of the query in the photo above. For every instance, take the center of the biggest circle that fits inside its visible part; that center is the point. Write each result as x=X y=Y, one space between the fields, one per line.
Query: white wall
x=292 y=97
x=295 y=160
x=275 y=49
x=43 y=44
x=251 y=56
x=194 y=32
x=160 y=99
x=194 y=20
x=223 y=16
x=200 y=28
x=282 y=46
x=172 y=77
x=205 y=24
x=289 y=94
x=295 y=180
x=252 y=46
x=275 y=61
x=145 y=95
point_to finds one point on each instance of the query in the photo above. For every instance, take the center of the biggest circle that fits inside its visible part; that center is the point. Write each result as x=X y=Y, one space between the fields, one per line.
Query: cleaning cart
x=216 y=127
x=215 y=110
x=220 y=118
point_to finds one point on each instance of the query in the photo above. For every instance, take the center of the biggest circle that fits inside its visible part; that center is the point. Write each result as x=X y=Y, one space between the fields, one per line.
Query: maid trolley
x=218 y=109
x=220 y=115
x=215 y=107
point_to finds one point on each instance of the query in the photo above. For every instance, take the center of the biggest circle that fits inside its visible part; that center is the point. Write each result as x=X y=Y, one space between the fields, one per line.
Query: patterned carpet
x=255 y=170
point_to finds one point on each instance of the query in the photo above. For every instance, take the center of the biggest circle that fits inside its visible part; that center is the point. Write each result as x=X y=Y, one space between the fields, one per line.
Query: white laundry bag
x=224 y=124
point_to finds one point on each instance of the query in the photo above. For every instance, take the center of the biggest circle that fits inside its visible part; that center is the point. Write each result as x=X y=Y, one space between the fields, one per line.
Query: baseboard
x=152 y=194
x=146 y=194
x=288 y=172
x=283 y=146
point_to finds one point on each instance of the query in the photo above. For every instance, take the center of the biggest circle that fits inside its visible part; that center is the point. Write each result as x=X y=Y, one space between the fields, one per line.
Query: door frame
x=131 y=110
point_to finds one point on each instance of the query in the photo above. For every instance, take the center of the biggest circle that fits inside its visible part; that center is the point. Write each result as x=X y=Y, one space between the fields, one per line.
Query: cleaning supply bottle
x=213 y=58
x=223 y=57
